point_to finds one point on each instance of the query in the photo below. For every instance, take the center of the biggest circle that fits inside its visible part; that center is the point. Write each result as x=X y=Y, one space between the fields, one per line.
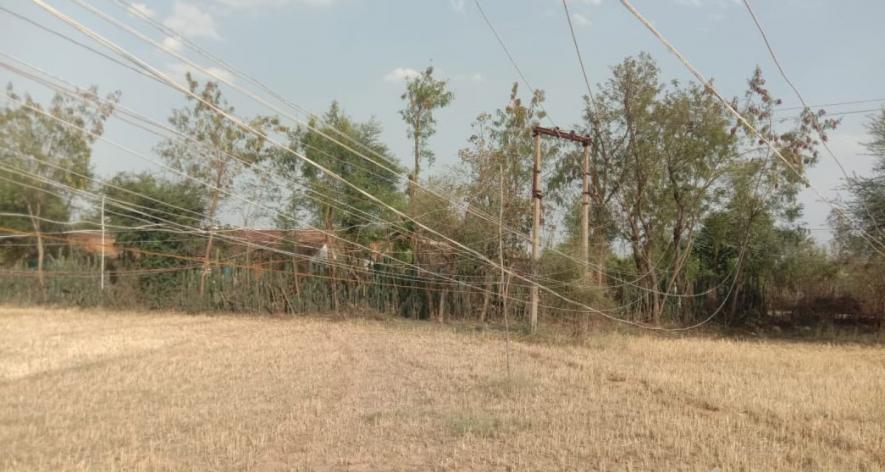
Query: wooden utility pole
x=600 y=248
x=585 y=212
x=537 y=131
x=536 y=226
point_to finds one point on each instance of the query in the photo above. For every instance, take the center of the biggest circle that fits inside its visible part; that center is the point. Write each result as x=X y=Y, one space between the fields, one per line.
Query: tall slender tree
x=330 y=203
x=501 y=148
x=50 y=146
x=424 y=94
x=867 y=205
x=215 y=150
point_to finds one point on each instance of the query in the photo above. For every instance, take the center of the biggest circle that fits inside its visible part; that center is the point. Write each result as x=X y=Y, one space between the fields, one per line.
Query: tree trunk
x=486 y=296
x=442 y=306
x=295 y=271
x=415 y=174
x=213 y=208
x=652 y=286
x=601 y=256
x=657 y=306
x=330 y=259
x=207 y=263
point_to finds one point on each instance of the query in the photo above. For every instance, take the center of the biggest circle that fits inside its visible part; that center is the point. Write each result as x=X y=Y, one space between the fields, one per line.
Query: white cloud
x=220 y=74
x=135 y=8
x=172 y=44
x=475 y=77
x=457 y=5
x=706 y=3
x=250 y=4
x=580 y=20
x=177 y=71
x=400 y=74
x=192 y=21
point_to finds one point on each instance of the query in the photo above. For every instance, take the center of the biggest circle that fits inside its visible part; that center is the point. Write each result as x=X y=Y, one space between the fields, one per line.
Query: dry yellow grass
x=101 y=391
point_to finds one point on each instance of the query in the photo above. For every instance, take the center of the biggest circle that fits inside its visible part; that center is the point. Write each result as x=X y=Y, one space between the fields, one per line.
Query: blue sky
x=358 y=51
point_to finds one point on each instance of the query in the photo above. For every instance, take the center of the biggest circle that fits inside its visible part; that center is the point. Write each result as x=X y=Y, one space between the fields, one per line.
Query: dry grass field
x=148 y=391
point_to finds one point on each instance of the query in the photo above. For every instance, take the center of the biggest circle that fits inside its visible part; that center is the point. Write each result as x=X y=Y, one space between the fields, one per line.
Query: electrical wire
x=814 y=119
x=747 y=124
x=238 y=122
x=523 y=236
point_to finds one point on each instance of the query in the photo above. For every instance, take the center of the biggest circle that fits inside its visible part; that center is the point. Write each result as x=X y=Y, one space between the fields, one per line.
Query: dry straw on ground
x=103 y=391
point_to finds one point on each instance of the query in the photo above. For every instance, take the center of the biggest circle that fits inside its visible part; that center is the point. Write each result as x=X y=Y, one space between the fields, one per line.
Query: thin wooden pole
x=584 y=318
x=101 y=284
x=536 y=230
x=585 y=215
x=503 y=284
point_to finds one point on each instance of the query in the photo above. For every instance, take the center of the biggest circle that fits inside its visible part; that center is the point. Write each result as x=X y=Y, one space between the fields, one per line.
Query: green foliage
x=684 y=199
x=331 y=202
x=658 y=152
x=48 y=151
x=423 y=95
x=859 y=231
x=144 y=203
x=865 y=218
x=211 y=148
x=503 y=143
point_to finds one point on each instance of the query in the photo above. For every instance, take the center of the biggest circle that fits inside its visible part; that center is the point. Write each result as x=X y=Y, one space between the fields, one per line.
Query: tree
x=330 y=202
x=501 y=146
x=761 y=189
x=50 y=151
x=214 y=150
x=423 y=95
x=657 y=153
x=867 y=205
x=665 y=157
x=859 y=232
x=141 y=200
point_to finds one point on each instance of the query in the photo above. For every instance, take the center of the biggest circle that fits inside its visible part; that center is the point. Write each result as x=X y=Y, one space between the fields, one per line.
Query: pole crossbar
x=558 y=133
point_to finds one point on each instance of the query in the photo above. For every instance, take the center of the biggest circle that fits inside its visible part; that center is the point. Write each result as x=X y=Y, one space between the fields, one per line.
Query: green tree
x=424 y=94
x=215 y=150
x=505 y=144
x=330 y=202
x=867 y=205
x=860 y=231
x=141 y=200
x=658 y=152
x=49 y=150
x=500 y=153
x=762 y=187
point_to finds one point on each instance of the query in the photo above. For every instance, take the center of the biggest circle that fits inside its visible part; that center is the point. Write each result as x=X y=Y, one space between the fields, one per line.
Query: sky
x=360 y=52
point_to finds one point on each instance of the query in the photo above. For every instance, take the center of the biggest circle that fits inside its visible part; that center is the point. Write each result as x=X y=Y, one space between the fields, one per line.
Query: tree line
x=693 y=215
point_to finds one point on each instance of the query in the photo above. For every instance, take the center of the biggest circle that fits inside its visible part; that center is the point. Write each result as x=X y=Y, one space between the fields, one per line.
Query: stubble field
x=83 y=390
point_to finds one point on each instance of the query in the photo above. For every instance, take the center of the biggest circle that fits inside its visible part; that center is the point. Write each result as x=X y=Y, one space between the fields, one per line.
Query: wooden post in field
x=536 y=227
x=599 y=249
x=585 y=213
x=101 y=284
x=584 y=321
